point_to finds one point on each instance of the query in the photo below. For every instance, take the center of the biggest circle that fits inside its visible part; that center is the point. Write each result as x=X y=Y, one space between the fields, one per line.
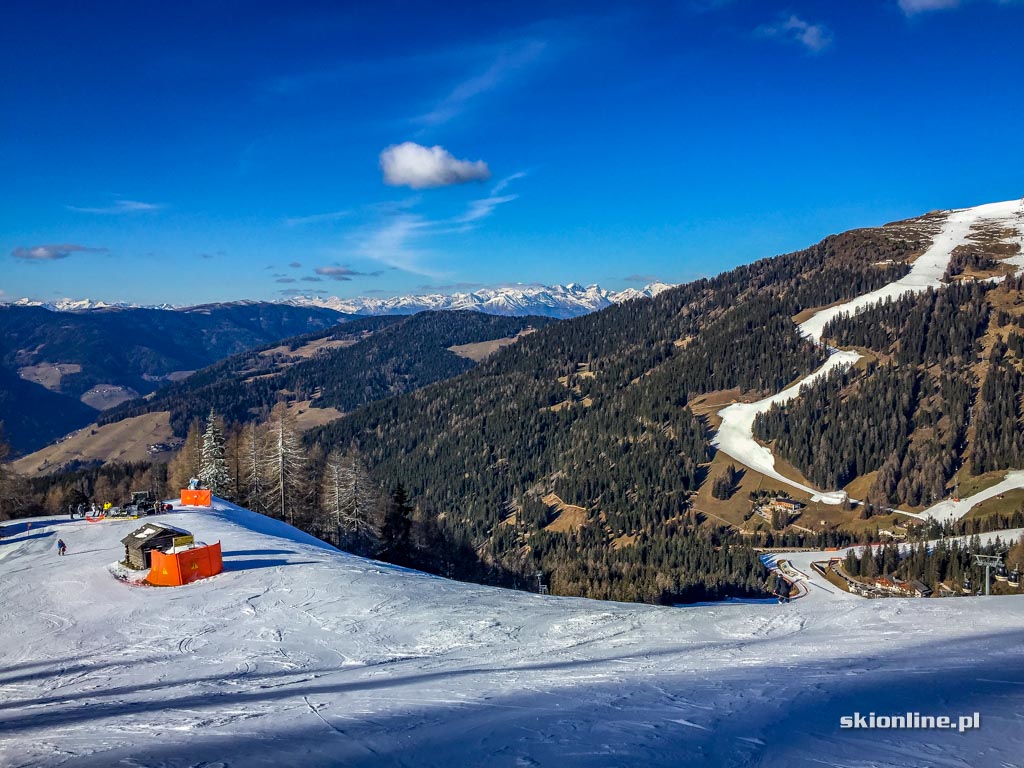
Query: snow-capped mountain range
x=83 y=305
x=559 y=301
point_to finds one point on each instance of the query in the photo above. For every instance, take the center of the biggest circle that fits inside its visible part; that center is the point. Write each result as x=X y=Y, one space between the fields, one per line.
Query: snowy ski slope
x=735 y=435
x=302 y=655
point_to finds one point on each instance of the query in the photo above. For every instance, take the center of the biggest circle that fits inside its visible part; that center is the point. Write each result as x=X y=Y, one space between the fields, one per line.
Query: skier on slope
x=62 y=548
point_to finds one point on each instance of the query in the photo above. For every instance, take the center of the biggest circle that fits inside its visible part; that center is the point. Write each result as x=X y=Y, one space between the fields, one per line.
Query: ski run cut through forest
x=298 y=654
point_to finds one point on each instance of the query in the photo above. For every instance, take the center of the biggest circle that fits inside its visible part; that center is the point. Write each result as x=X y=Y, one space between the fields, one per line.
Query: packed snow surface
x=928 y=269
x=301 y=655
x=951 y=509
x=735 y=436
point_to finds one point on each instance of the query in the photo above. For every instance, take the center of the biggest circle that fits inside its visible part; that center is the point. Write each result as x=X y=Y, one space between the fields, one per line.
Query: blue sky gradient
x=193 y=152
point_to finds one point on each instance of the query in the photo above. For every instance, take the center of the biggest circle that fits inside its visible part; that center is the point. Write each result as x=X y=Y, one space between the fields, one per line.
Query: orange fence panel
x=196 y=498
x=181 y=568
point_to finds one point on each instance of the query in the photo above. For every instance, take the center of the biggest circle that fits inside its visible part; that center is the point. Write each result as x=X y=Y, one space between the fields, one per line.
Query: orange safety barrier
x=196 y=498
x=185 y=567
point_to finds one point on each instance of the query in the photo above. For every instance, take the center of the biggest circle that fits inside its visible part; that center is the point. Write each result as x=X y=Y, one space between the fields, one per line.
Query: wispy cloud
x=295 y=264
x=451 y=287
x=502 y=184
x=119 y=206
x=301 y=292
x=337 y=273
x=412 y=165
x=482 y=208
x=814 y=37
x=285 y=280
x=52 y=252
x=317 y=218
x=397 y=242
x=914 y=7
x=641 y=279
x=911 y=7
x=508 y=61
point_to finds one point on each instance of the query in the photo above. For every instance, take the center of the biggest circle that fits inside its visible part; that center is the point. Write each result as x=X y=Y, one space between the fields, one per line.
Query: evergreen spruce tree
x=213 y=467
x=396 y=530
x=12 y=489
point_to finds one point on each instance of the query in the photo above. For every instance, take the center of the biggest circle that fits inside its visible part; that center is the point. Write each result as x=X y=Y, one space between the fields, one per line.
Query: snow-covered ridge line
x=560 y=301
x=735 y=435
x=553 y=301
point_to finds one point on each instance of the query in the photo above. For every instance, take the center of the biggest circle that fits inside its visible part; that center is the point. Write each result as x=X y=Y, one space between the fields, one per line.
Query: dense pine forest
x=595 y=411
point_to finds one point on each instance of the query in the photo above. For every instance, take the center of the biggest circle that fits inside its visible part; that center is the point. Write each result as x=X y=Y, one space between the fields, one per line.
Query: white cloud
x=814 y=37
x=119 y=206
x=52 y=252
x=412 y=165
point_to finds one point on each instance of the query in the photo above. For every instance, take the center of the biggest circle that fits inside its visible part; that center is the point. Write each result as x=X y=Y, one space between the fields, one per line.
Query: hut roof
x=151 y=531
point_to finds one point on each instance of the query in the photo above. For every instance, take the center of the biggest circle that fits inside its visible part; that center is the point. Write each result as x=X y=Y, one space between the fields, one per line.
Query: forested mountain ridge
x=593 y=414
x=101 y=357
x=343 y=368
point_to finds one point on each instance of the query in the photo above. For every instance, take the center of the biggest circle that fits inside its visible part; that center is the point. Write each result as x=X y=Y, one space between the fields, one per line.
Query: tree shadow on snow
x=255 y=563
x=235 y=552
x=18 y=539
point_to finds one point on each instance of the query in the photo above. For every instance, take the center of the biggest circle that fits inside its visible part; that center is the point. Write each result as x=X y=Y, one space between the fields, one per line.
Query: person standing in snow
x=62 y=548
x=782 y=590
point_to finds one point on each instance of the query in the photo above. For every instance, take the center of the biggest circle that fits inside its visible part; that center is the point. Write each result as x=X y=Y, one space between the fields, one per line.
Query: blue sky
x=192 y=152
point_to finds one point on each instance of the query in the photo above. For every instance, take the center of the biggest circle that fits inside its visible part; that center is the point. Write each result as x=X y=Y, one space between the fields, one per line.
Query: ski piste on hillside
x=735 y=434
x=299 y=654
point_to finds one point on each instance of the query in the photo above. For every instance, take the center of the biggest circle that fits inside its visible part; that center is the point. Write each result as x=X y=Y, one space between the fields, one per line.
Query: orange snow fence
x=195 y=498
x=181 y=568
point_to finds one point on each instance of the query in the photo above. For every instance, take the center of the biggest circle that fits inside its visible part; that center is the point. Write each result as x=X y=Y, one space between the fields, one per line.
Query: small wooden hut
x=139 y=544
